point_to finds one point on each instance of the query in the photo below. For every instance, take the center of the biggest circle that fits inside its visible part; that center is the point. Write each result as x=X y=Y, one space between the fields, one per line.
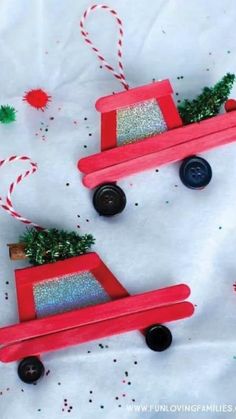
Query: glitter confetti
x=65 y=407
x=139 y=121
x=44 y=129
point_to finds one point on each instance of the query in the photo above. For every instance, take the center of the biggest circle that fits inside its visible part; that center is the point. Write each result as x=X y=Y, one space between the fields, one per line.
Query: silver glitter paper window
x=67 y=293
x=139 y=121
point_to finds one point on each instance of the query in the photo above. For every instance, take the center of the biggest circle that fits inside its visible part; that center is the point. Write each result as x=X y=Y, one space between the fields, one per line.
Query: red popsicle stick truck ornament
x=78 y=300
x=141 y=129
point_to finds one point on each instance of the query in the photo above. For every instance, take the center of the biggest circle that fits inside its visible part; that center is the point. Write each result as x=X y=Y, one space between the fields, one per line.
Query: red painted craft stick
x=26 y=311
x=168 y=155
x=170 y=112
x=133 y=96
x=108 y=130
x=94 y=331
x=94 y=314
x=34 y=274
x=109 y=282
x=157 y=143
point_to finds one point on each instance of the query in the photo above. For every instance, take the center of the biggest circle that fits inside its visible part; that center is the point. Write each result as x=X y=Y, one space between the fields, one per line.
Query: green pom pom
x=208 y=103
x=7 y=114
x=48 y=246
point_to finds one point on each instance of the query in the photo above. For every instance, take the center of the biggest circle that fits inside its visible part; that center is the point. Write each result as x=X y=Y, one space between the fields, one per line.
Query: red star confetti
x=37 y=98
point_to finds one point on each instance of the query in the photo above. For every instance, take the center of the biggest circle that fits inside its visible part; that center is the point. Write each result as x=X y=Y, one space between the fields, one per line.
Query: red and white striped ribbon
x=7 y=204
x=118 y=75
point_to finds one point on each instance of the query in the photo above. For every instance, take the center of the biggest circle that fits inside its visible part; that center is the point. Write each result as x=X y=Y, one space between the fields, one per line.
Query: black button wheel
x=158 y=338
x=109 y=200
x=30 y=369
x=195 y=172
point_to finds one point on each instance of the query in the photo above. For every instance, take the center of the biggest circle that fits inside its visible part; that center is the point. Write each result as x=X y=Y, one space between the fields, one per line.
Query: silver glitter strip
x=139 y=121
x=66 y=293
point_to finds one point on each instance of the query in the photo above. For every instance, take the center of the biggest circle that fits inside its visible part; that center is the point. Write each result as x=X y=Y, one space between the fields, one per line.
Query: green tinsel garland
x=208 y=103
x=50 y=245
x=7 y=114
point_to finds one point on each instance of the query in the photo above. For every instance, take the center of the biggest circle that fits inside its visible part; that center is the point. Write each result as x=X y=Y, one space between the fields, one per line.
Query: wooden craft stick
x=168 y=155
x=94 y=331
x=34 y=274
x=108 y=130
x=133 y=96
x=157 y=143
x=93 y=314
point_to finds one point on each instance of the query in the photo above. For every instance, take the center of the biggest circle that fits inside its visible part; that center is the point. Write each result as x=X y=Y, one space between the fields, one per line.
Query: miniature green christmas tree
x=50 y=245
x=7 y=114
x=208 y=103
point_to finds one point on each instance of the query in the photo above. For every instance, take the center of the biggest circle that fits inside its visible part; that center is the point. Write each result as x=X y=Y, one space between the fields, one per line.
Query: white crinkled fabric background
x=173 y=235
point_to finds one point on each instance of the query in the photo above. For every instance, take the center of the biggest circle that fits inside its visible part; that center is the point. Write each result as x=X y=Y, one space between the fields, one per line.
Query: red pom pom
x=230 y=105
x=37 y=98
